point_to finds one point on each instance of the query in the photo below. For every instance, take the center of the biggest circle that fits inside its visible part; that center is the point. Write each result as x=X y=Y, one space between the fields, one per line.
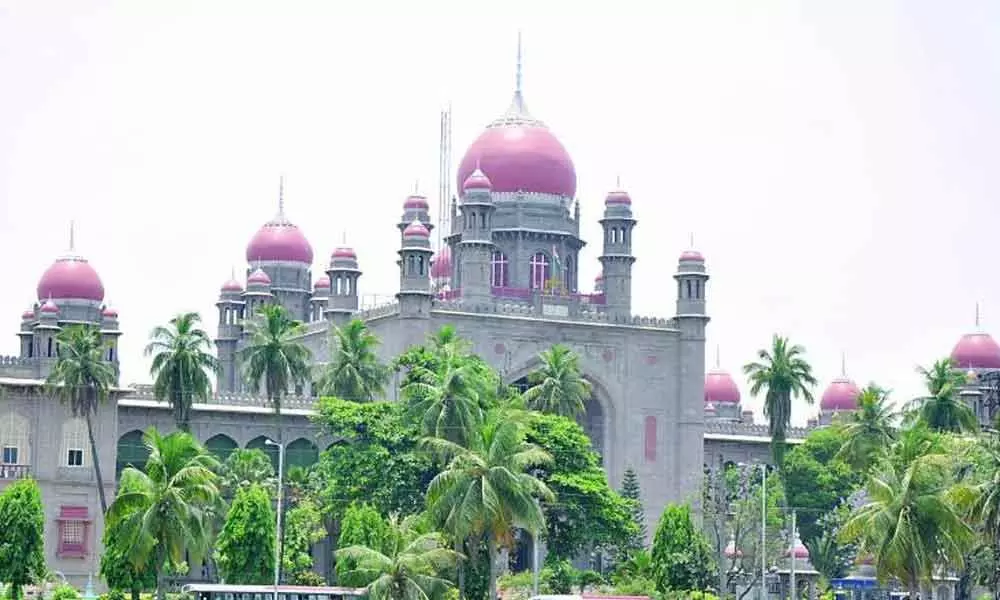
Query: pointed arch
x=221 y=445
x=301 y=453
x=132 y=452
x=260 y=443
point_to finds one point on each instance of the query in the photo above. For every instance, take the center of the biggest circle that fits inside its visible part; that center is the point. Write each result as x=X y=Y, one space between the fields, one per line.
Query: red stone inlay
x=608 y=356
x=499 y=348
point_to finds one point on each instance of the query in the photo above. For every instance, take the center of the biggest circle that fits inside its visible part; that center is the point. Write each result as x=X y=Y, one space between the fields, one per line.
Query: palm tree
x=558 y=387
x=783 y=374
x=182 y=362
x=354 y=371
x=486 y=490
x=408 y=566
x=82 y=377
x=167 y=510
x=275 y=355
x=245 y=466
x=984 y=501
x=943 y=410
x=910 y=522
x=869 y=431
x=447 y=400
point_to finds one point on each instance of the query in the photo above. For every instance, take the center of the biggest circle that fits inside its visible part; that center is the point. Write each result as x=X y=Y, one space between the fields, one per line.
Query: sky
x=835 y=162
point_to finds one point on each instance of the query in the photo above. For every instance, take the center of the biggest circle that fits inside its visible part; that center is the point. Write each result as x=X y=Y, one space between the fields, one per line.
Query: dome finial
x=718 y=361
x=343 y=237
x=416 y=187
x=72 y=236
x=843 y=364
x=977 y=315
x=281 y=196
x=517 y=78
x=618 y=182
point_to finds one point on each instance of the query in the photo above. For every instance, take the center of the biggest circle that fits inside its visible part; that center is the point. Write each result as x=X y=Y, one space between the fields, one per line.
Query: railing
x=751 y=429
x=14 y=471
x=145 y=392
x=15 y=361
x=449 y=294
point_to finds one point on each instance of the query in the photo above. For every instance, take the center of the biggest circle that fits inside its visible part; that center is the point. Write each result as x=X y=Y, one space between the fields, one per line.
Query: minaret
x=45 y=337
x=617 y=259
x=318 y=300
x=691 y=321
x=110 y=332
x=28 y=319
x=415 y=208
x=258 y=292
x=476 y=245
x=231 y=306
x=415 y=272
x=344 y=273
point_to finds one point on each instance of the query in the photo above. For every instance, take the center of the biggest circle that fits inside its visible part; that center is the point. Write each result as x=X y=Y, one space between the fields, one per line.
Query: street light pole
x=763 y=531
x=277 y=533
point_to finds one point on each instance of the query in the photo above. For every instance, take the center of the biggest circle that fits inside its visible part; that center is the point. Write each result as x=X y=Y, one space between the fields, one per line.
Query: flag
x=556 y=262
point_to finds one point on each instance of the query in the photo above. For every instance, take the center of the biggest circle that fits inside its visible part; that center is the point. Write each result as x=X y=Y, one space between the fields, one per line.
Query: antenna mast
x=444 y=177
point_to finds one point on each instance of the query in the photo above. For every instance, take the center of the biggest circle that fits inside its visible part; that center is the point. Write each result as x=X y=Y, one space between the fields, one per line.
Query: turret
x=28 y=319
x=110 y=332
x=415 y=208
x=691 y=278
x=476 y=246
x=258 y=292
x=317 y=303
x=414 y=272
x=45 y=336
x=344 y=273
x=616 y=259
x=231 y=307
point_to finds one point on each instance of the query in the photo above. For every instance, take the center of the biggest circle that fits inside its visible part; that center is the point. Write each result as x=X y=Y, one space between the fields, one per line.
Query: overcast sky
x=836 y=162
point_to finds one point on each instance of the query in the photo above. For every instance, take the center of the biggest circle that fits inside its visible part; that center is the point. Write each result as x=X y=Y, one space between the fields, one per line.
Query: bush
x=114 y=595
x=561 y=577
x=309 y=578
x=65 y=592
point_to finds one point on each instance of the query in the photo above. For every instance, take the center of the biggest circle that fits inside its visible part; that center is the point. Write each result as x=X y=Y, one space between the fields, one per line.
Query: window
x=74 y=442
x=9 y=455
x=14 y=447
x=74 y=525
x=498 y=269
x=540 y=269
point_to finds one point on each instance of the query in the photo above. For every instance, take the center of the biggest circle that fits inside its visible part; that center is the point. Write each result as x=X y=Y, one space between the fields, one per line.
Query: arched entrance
x=301 y=453
x=592 y=421
x=221 y=445
x=260 y=443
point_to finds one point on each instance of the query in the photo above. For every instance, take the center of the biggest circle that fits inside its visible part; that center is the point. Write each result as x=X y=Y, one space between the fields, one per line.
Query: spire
x=72 y=242
x=691 y=240
x=416 y=187
x=618 y=182
x=977 y=311
x=517 y=77
x=843 y=364
x=718 y=361
x=281 y=197
x=343 y=237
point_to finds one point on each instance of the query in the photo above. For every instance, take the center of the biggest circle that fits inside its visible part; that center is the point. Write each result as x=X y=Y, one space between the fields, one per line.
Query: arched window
x=498 y=269
x=540 y=270
x=74 y=443
x=14 y=447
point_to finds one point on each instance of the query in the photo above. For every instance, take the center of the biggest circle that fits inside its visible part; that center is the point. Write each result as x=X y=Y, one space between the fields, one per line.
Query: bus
x=221 y=591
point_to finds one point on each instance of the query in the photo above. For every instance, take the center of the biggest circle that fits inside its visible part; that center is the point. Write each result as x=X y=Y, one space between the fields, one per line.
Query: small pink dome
x=71 y=277
x=720 y=388
x=344 y=252
x=109 y=312
x=259 y=277
x=28 y=315
x=618 y=197
x=976 y=351
x=521 y=155
x=841 y=395
x=441 y=267
x=801 y=552
x=323 y=283
x=477 y=181
x=49 y=307
x=416 y=202
x=232 y=286
x=732 y=551
x=416 y=229
x=691 y=255
x=279 y=239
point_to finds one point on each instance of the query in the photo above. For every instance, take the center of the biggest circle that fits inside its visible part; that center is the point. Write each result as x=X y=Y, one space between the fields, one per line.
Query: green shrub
x=309 y=578
x=65 y=592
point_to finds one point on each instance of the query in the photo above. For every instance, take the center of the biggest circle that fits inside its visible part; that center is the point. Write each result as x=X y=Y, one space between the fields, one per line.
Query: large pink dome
x=71 y=276
x=441 y=267
x=841 y=395
x=519 y=154
x=976 y=351
x=279 y=239
x=720 y=388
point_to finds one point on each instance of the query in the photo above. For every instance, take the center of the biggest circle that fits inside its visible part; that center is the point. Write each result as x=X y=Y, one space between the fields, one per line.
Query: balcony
x=9 y=472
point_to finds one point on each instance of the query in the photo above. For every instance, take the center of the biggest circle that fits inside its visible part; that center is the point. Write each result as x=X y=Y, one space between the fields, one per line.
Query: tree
x=246 y=466
x=816 y=481
x=275 y=355
x=909 y=522
x=82 y=377
x=558 y=386
x=245 y=548
x=682 y=557
x=485 y=489
x=869 y=431
x=362 y=526
x=588 y=514
x=303 y=529
x=828 y=554
x=167 y=511
x=374 y=458
x=943 y=410
x=354 y=371
x=182 y=362
x=782 y=373
x=632 y=493
x=22 y=521
x=984 y=507
x=118 y=568
x=408 y=566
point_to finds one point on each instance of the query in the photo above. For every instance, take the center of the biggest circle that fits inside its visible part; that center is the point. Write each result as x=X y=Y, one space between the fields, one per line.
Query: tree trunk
x=491 y=550
x=97 y=463
x=136 y=593
x=161 y=592
x=461 y=569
